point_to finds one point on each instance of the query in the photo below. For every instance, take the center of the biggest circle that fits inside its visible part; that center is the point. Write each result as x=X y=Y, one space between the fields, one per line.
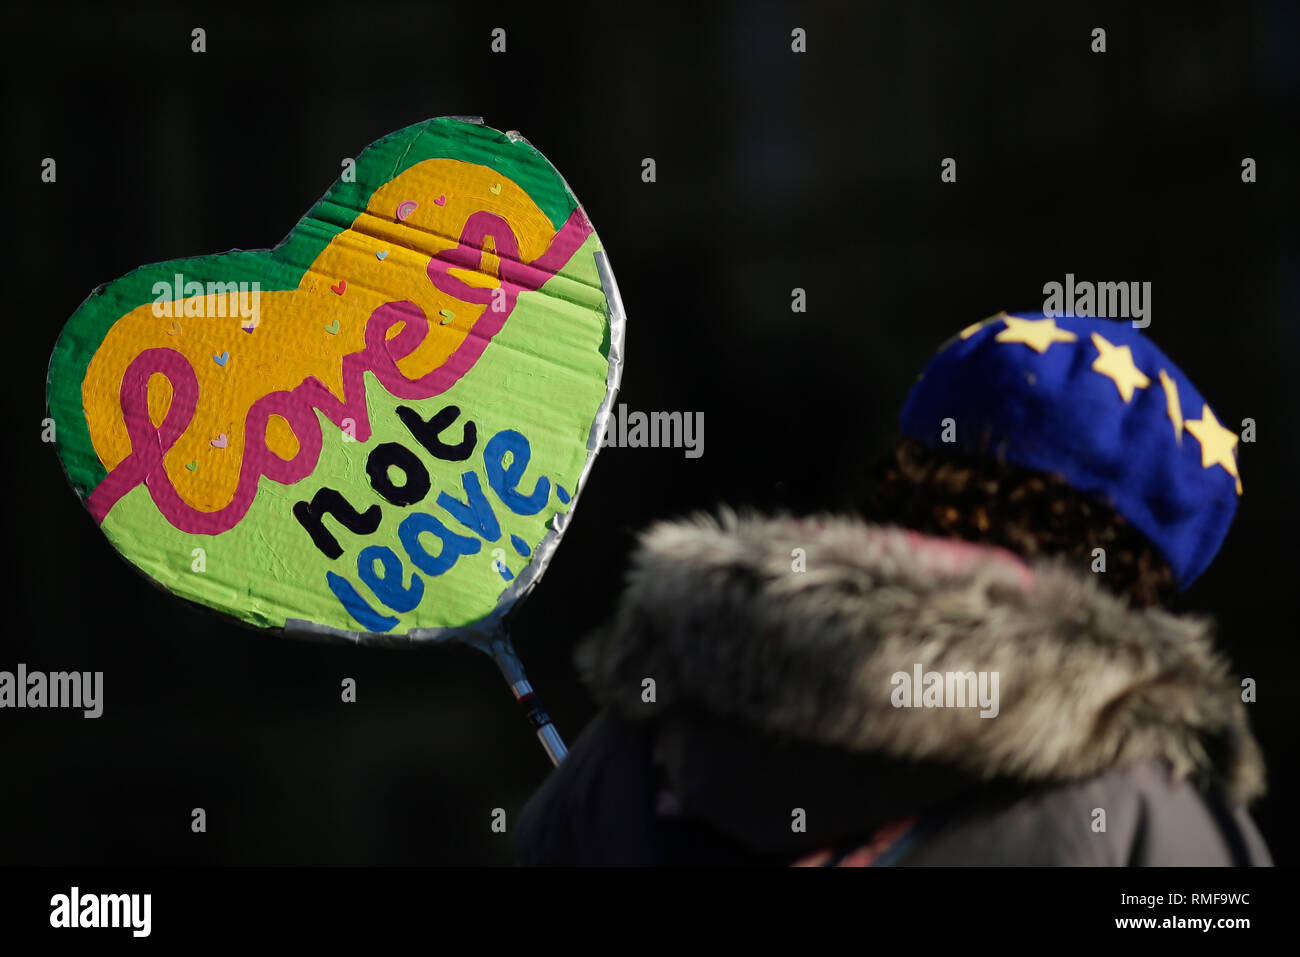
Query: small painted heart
x=441 y=200
x=220 y=442
x=340 y=287
x=381 y=255
x=495 y=190
x=221 y=359
x=192 y=465
x=333 y=328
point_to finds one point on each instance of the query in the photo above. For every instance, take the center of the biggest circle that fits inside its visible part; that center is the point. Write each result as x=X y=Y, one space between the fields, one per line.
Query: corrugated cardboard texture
x=285 y=434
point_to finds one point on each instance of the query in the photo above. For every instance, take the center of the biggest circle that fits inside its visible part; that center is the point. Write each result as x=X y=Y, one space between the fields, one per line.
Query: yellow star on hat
x=1172 y=405
x=1218 y=444
x=1116 y=363
x=1038 y=334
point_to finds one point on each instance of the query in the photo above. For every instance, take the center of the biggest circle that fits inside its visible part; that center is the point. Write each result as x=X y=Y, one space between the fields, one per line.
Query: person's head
x=1056 y=436
x=977 y=498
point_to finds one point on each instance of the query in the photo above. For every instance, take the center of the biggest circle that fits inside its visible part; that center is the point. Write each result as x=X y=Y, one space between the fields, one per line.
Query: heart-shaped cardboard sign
x=379 y=427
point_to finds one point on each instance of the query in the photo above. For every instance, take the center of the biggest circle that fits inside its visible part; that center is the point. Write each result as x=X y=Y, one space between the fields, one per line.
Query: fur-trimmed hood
x=798 y=627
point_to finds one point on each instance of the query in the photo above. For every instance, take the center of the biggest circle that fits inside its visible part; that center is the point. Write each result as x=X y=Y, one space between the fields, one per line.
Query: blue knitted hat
x=1097 y=402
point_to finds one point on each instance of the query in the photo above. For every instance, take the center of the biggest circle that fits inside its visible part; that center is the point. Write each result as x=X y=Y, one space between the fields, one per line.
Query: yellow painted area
x=280 y=438
x=160 y=397
x=294 y=336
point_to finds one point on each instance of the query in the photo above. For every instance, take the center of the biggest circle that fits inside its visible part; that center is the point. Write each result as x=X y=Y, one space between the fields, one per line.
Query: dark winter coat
x=750 y=686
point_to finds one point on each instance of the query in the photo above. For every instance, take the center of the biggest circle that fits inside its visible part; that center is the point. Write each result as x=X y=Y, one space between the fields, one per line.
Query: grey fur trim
x=715 y=614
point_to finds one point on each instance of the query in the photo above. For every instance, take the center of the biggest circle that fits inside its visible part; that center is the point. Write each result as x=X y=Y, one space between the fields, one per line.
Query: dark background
x=775 y=170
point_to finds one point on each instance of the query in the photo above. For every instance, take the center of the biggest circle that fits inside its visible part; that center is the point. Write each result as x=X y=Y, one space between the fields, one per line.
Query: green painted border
x=281 y=267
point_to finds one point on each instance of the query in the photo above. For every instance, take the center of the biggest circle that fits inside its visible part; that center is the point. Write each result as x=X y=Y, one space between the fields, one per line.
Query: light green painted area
x=543 y=375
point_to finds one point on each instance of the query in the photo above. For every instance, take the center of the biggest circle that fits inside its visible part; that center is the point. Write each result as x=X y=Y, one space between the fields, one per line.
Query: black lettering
x=327 y=501
x=427 y=433
x=391 y=454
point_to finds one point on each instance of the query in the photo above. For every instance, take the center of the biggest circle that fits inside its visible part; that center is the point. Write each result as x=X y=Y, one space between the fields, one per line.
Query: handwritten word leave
x=505 y=459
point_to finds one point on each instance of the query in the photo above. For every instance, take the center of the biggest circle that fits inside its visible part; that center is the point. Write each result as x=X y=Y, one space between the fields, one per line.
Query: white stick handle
x=513 y=671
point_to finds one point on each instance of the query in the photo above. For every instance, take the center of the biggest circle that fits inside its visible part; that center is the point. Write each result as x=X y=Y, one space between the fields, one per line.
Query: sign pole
x=512 y=670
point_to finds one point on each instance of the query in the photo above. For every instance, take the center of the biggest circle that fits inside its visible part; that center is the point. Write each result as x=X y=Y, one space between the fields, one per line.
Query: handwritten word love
x=298 y=406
